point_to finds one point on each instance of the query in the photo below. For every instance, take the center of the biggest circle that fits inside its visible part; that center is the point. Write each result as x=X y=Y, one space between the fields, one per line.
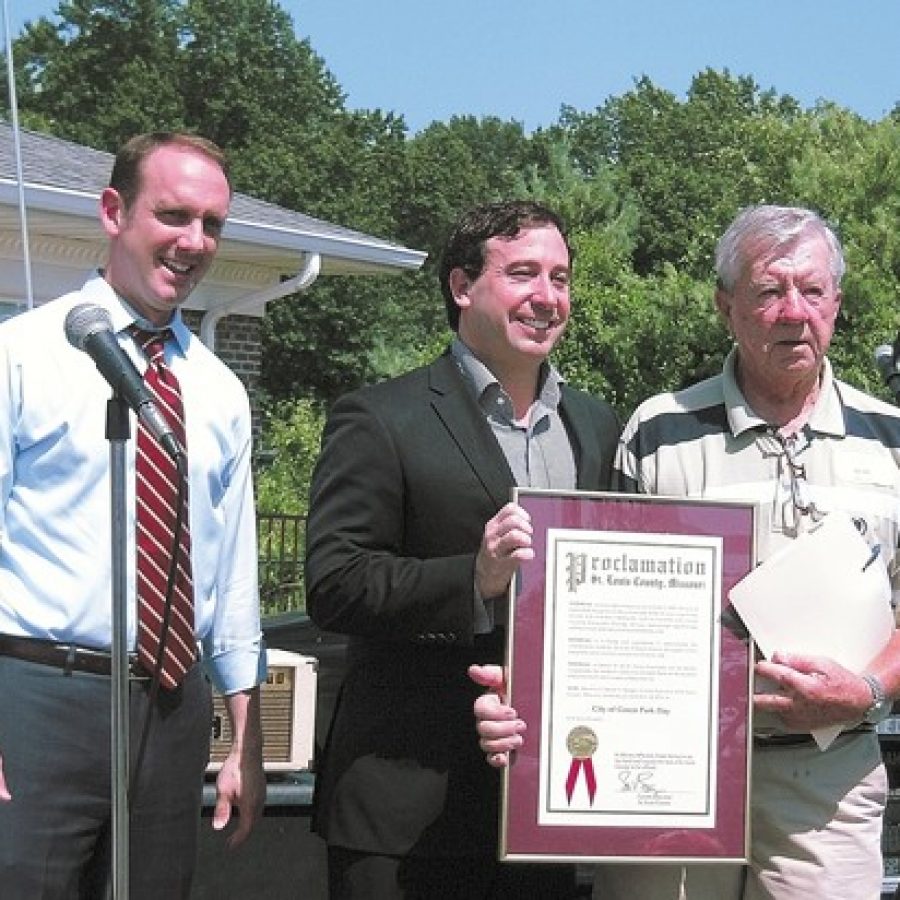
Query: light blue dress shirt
x=55 y=520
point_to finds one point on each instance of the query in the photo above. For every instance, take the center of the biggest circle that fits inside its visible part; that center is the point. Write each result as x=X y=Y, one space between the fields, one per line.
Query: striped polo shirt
x=706 y=442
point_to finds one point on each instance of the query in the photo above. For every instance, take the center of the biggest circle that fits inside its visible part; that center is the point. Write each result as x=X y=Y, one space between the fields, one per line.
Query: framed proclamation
x=634 y=676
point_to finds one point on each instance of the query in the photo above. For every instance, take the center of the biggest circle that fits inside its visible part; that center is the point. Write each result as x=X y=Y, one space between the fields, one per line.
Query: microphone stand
x=118 y=432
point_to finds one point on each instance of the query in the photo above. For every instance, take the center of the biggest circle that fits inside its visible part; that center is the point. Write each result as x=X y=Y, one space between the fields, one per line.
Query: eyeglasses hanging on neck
x=802 y=506
x=799 y=485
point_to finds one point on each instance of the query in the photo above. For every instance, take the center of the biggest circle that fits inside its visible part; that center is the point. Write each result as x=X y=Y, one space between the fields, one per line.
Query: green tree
x=293 y=433
x=266 y=96
x=633 y=335
x=692 y=164
x=247 y=74
x=647 y=182
x=292 y=437
x=594 y=202
x=103 y=72
x=450 y=167
x=850 y=173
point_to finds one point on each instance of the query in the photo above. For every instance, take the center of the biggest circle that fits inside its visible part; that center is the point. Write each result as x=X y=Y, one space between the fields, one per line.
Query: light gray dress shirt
x=537 y=450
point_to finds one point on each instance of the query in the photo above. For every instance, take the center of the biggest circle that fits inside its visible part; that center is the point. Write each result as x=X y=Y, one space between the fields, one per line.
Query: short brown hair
x=466 y=245
x=126 y=171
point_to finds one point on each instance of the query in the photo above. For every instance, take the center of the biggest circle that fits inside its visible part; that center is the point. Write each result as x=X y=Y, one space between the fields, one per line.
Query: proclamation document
x=633 y=673
x=631 y=637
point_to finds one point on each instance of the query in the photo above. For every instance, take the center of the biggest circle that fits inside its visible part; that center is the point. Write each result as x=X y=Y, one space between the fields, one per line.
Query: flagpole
x=20 y=181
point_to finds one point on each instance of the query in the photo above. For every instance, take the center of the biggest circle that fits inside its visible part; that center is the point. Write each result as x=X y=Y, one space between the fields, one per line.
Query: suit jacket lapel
x=456 y=408
x=579 y=424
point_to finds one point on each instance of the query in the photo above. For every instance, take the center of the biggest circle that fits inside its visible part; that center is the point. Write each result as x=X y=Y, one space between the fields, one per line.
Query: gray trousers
x=55 y=834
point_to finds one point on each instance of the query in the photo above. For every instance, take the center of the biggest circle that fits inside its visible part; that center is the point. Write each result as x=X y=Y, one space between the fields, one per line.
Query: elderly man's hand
x=813 y=692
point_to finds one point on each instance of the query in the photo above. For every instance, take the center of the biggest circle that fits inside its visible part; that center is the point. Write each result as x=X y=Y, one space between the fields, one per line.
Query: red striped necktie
x=156 y=501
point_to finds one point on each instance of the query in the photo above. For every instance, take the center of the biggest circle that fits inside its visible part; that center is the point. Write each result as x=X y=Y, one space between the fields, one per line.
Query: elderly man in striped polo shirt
x=778 y=428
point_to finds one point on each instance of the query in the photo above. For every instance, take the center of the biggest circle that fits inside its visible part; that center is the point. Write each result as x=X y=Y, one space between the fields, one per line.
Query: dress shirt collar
x=485 y=386
x=124 y=316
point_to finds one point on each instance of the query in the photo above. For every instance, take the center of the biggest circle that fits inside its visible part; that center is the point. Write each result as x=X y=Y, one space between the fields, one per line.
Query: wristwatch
x=880 y=703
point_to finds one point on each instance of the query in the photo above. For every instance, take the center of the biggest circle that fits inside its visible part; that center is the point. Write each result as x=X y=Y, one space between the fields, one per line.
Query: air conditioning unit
x=288 y=708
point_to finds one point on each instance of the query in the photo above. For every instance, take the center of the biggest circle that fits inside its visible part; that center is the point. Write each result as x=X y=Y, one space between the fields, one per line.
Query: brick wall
x=238 y=346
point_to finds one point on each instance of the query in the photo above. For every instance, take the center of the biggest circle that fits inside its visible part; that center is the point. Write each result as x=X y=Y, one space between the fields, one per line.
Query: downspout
x=302 y=281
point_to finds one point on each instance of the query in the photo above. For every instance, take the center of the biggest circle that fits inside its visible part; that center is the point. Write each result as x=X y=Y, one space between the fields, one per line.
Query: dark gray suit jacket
x=409 y=474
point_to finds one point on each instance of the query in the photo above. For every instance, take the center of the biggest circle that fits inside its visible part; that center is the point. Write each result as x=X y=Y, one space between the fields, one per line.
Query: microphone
x=89 y=328
x=887 y=363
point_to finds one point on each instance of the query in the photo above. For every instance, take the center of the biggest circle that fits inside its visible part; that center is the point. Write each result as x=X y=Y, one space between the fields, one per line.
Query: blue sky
x=522 y=59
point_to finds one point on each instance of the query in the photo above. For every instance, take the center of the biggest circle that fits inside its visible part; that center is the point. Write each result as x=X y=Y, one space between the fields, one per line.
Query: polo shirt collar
x=827 y=416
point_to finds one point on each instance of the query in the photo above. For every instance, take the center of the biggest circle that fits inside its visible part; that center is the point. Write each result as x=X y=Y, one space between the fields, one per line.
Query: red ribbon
x=589 y=778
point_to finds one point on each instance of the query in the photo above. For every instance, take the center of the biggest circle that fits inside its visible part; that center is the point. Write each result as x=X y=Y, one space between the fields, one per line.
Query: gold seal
x=582 y=742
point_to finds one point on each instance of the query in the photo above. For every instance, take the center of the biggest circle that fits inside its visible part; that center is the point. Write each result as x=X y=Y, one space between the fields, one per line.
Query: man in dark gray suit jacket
x=412 y=541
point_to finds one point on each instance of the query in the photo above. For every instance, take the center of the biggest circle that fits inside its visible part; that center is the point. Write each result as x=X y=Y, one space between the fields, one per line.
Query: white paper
x=631 y=642
x=823 y=594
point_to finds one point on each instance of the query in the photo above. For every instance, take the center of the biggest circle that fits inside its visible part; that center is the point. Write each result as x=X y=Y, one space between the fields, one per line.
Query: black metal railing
x=281 y=540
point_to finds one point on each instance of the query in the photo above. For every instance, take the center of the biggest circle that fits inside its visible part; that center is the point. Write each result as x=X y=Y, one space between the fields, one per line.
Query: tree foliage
x=293 y=434
x=691 y=162
x=103 y=72
x=647 y=181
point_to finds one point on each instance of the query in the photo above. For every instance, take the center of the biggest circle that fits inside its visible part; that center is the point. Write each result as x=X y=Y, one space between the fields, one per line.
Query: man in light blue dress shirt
x=163 y=213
